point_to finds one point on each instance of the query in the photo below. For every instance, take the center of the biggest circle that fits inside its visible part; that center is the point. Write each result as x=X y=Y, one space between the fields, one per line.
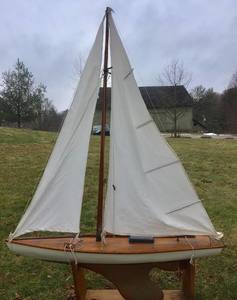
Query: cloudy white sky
x=50 y=36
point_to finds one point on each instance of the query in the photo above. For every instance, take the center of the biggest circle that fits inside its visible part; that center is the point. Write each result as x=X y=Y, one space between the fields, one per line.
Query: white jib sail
x=148 y=190
x=56 y=205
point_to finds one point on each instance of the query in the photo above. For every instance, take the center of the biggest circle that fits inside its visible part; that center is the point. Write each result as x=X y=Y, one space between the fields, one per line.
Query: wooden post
x=79 y=282
x=102 y=134
x=188 y=280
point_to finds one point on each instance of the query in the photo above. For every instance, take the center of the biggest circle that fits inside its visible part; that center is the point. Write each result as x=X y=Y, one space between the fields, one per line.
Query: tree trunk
x=175 y=112
x=18 y=117
x=175 y=123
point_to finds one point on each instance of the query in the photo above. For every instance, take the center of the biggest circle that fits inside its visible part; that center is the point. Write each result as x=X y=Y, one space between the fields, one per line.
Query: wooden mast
x=102 y=135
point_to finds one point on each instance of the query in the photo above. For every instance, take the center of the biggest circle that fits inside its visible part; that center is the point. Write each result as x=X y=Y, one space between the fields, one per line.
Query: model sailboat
x=148 y=192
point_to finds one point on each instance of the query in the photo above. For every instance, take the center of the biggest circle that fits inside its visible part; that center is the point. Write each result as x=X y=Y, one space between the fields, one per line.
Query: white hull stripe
x=98 y=258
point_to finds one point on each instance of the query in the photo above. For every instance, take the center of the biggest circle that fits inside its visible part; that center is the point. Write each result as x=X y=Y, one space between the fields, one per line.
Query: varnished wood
x=132 y=281
x=120 y=245
x=103 y=295
x=115 y=295
x=79 y=281
x=102 y=133
x=188 y=280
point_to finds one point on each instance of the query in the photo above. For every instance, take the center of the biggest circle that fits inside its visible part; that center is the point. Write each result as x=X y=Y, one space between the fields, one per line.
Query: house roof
x=163 y=96
x=157 y=96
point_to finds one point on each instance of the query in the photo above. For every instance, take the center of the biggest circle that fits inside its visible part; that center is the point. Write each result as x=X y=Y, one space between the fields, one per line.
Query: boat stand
x=133 y=281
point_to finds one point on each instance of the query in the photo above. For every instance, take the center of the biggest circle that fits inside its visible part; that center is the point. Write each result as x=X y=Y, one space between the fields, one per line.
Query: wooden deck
x=121 y=245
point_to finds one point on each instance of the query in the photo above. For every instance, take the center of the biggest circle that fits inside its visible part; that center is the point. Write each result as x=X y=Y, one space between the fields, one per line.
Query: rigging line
x=103 y=237
x=193 y=250
x=66 y=252
x=66 y=248
x=71 y=245
x=73 y=254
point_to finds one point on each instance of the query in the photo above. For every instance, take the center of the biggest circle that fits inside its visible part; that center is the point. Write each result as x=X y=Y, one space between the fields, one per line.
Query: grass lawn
x=211 y=165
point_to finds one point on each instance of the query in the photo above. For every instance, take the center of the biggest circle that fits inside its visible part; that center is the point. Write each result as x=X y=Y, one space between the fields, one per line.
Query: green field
x=211 y=165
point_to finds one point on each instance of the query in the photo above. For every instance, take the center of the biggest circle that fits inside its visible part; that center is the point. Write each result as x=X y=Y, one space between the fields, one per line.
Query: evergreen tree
x=17 y=88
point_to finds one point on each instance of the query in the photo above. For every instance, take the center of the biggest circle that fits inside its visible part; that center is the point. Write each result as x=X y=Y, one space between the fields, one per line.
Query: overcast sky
x=50 y=36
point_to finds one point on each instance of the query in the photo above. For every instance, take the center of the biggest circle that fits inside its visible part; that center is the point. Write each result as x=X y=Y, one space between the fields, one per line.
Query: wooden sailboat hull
x=117 y=250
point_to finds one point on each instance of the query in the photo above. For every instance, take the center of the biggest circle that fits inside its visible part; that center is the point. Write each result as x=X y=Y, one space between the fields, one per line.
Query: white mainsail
x=56 y=205
x=148 y=190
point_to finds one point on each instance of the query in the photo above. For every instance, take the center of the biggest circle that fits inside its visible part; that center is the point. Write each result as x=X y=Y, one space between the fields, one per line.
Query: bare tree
x=233 y=81
x=78 y=66
x=198 y=93
x=174 y=75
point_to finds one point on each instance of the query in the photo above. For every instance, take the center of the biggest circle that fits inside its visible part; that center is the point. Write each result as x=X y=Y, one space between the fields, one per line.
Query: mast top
x=108 y=10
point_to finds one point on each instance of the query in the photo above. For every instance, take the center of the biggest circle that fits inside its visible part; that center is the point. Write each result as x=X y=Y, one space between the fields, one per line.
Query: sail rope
x=103 y=237
x=66 y=252
x=193 y=250
x=75 y=243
